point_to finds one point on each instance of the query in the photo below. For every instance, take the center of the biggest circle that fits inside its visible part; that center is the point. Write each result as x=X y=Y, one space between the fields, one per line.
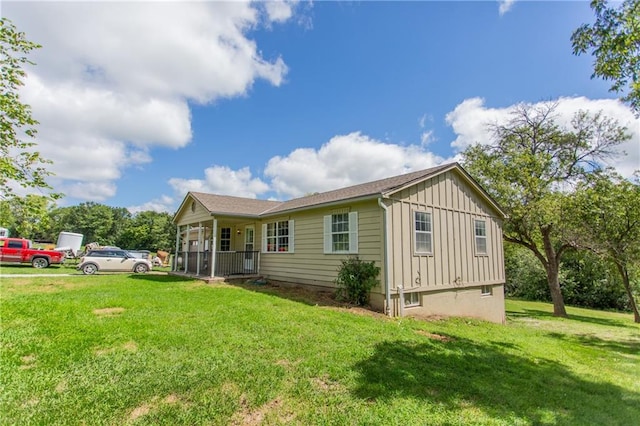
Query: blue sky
x=141 y=102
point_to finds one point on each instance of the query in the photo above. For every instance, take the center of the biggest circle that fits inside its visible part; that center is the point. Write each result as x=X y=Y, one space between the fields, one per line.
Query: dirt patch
x=130 y=346
x=171 y=399
x=230 y=388
x=433 y=336
x=31 y=403
x=140 y=411
x=322 y=298
x=28 y=361
x=108 y=312
x=152 y=405
x=255 y=417
x=325 y=384
x=62 y=386
x=357 y=310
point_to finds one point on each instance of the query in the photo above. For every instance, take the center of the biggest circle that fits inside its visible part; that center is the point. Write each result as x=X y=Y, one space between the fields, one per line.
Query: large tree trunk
x=632 y=301
x=553 y=280
x=552 y=266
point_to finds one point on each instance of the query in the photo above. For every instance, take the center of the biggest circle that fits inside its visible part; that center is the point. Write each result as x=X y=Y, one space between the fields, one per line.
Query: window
x=481 y=236
x=422 y=233
x=225 y=239
x=14 y=244
x=486 y=290
x=277 y=237
x=411 y=299
x=341 y=233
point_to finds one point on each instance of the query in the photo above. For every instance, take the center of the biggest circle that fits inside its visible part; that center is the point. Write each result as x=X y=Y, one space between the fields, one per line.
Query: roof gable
x=368 y=189
x=226 y=204
x=249 y=207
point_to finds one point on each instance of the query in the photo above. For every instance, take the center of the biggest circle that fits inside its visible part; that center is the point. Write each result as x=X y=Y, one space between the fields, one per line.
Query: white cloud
x=90 y=191
x=113 y=79
x=504 y=6
x=160 y=205
x=224 y=181
x=344 y=160
x=279 y=10
x=470 y=121
x=427 y=137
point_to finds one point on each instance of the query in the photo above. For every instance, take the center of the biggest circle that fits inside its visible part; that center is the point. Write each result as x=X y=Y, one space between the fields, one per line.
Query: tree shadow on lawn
x=160 y=278
x=631 y=347
x=535 y=313
x=459 y=373
x=293 y=293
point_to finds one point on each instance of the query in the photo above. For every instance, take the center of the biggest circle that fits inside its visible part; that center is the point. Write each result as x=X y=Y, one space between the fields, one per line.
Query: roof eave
x=367 y=197
x=467 y=176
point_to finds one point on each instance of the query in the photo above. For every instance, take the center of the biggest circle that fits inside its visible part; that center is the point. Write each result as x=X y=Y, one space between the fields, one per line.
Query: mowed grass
x=68 y=267
x=155 y=349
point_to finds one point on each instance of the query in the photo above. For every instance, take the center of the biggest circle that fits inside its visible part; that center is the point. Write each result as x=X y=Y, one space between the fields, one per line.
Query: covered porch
x=217 y=248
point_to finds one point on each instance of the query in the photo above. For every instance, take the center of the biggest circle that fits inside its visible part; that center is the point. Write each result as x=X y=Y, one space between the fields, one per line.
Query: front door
x=249 y=237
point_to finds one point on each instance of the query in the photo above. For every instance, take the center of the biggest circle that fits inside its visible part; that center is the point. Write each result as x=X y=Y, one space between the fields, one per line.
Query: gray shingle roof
x=377 y=187
x=223 y=204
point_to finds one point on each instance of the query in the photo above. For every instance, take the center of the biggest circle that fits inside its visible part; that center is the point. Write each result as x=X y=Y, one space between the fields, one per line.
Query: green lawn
x=155 y=349
x=68 y=267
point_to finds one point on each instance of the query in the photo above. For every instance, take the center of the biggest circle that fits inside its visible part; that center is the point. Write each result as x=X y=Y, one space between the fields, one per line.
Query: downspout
x=387 y=289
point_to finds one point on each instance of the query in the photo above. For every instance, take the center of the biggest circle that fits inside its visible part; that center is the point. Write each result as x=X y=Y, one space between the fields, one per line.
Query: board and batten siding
x=453 y=263
x=308 y=264
x=189 y=216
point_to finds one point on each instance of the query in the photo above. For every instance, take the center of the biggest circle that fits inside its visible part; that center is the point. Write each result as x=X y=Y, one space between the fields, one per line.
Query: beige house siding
x=453 y=263
x=450 y=280
x=462 y=302
x=309 y=264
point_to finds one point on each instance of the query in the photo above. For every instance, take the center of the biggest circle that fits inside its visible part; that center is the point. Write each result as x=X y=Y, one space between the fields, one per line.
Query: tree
x=27 y=217
x=528 y=169
x=148 y=230
x=97 y=222
x=608 y=223
x=19 y=163
x=614 y=41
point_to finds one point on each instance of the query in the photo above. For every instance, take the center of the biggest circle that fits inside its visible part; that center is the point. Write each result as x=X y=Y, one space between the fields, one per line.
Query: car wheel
x=89 y=269
x=40 y=262
x=140 y=268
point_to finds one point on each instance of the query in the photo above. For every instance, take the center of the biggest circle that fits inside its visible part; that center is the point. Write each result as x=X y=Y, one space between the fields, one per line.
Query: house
x=435 y=234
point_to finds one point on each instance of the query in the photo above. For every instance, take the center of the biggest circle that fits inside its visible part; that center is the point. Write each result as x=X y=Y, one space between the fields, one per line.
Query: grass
x=155 y=349
x=67 y=267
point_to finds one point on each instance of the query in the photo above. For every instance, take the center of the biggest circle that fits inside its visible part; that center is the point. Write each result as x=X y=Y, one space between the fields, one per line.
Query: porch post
x=199 y=246
x=175 y=257
x=186 y=256
x=214 y=245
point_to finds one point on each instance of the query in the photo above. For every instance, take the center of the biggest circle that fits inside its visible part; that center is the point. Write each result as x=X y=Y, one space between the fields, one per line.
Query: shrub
x=355 y=280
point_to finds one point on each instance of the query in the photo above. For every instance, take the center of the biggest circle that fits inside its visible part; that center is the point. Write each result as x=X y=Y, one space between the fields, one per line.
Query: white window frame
x=478 y=237
x=486 y=291
x=417 y=232
x=351 y=232
x=274 y=242
x=411 y=300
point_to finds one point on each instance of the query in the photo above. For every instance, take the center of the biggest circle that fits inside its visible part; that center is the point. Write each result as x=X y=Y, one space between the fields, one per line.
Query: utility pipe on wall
x=387 y=280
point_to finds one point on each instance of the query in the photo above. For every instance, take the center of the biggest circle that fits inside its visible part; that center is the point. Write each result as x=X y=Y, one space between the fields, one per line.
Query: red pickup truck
x=18 y=250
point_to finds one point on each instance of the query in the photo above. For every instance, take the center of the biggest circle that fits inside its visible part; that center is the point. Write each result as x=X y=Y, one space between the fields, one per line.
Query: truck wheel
x=89 y=269
x=140 y=268
x=39 y=262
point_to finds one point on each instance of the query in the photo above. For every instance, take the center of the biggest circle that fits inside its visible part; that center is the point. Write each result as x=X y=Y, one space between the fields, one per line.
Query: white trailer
x=70 y=243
